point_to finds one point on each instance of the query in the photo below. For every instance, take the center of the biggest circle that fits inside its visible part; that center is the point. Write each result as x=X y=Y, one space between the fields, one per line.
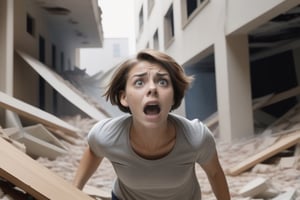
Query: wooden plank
x=35 y=114
x=259 y=103
x=59 y=85
x=213 y=119
x=27 y=174
x=279 y=127
x=283 y=95
x=284 y=143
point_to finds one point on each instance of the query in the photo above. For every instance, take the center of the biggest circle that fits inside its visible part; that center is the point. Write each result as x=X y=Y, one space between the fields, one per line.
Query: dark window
x=30 y=25
x=42 y=84
x=62 y=61
x=42 y=49
x=53 y=49
x=191 y=5
x=42 y=94
x=54 y=98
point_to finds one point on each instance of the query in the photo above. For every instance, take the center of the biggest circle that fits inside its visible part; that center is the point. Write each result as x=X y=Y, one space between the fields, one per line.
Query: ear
x=123 y=98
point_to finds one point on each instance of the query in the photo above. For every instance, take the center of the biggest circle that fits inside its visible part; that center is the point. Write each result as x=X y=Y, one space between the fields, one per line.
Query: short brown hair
x=180 y=80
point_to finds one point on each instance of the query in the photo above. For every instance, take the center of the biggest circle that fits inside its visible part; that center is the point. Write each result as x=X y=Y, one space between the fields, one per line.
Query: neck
x=153 y=142
x=150 y=134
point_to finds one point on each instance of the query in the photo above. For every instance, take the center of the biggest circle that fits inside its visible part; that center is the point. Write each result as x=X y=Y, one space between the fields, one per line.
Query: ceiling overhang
x=80 y=19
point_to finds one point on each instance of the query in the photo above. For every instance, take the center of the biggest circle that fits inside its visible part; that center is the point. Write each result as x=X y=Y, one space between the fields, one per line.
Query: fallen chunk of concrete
x=288 y=195
x=255 y=187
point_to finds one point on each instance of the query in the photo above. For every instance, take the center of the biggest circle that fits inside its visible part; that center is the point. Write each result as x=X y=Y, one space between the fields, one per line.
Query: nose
x=152 y=90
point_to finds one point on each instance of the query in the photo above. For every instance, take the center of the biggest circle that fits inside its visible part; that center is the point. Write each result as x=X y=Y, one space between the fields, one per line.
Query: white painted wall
x=198 y=36
x=245 y=15
x=215 y=27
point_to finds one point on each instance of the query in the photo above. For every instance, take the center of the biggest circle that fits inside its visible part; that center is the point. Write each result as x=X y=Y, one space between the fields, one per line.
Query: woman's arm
x=217 y=178
x=87 y=166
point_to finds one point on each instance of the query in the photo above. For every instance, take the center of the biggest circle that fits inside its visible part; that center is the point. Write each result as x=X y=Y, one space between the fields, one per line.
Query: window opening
x=30 y=24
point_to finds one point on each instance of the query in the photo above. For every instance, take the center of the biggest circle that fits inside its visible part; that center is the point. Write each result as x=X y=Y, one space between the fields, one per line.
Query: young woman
x=153 y=151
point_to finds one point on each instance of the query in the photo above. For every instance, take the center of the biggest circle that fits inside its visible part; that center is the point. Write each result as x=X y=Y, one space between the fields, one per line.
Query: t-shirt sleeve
x=207 y=148
x=94 y=138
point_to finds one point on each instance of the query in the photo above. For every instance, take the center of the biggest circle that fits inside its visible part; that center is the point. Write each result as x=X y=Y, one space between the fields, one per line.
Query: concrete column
x=6 y=50
x=3 y=52
x=9 y=47
x=233 y=87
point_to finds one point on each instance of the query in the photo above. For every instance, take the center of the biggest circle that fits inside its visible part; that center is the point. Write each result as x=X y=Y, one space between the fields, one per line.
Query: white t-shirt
x=169 y=178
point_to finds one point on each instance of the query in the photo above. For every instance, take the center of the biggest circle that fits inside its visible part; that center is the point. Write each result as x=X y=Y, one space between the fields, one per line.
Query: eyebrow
x=160 y=74
x=139 y=75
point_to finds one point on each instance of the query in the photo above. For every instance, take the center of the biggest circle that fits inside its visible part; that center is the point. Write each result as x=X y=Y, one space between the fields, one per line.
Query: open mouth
x=152 y=109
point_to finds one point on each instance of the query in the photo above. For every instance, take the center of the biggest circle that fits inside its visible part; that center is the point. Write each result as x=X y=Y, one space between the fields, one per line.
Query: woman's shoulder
x=190 y=125
x=110 y=126
x=107 y=133
x=193 y=129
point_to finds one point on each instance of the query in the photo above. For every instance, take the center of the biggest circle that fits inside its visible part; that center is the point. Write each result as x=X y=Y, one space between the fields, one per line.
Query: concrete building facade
x=51 y=32
x=237 y=50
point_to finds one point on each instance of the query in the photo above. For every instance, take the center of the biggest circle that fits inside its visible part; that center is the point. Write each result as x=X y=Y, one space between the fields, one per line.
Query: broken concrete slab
x=287 y=162
x=290 y=194
x=254 y=187
x=36 y=114
x=39 y=131
x=40 y=142
x=97 y=192
x=17 y=144
x=57 y=82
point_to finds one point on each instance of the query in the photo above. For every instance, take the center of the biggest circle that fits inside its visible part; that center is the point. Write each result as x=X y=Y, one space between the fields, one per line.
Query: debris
x=37 y=141
x=40 y=142
x=97 y=192
x=262 y=168
x=36 y=114
x=287 y=162
x=290 y=194
x=62 y=135
x=254 y=187
x=260 y=188
x=283 y=143
x=16 y=144
x=30 y=176
x=59 y=84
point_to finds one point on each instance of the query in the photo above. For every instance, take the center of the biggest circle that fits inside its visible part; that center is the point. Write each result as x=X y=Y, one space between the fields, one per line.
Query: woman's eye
x=163 y=82
x=138 y=83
